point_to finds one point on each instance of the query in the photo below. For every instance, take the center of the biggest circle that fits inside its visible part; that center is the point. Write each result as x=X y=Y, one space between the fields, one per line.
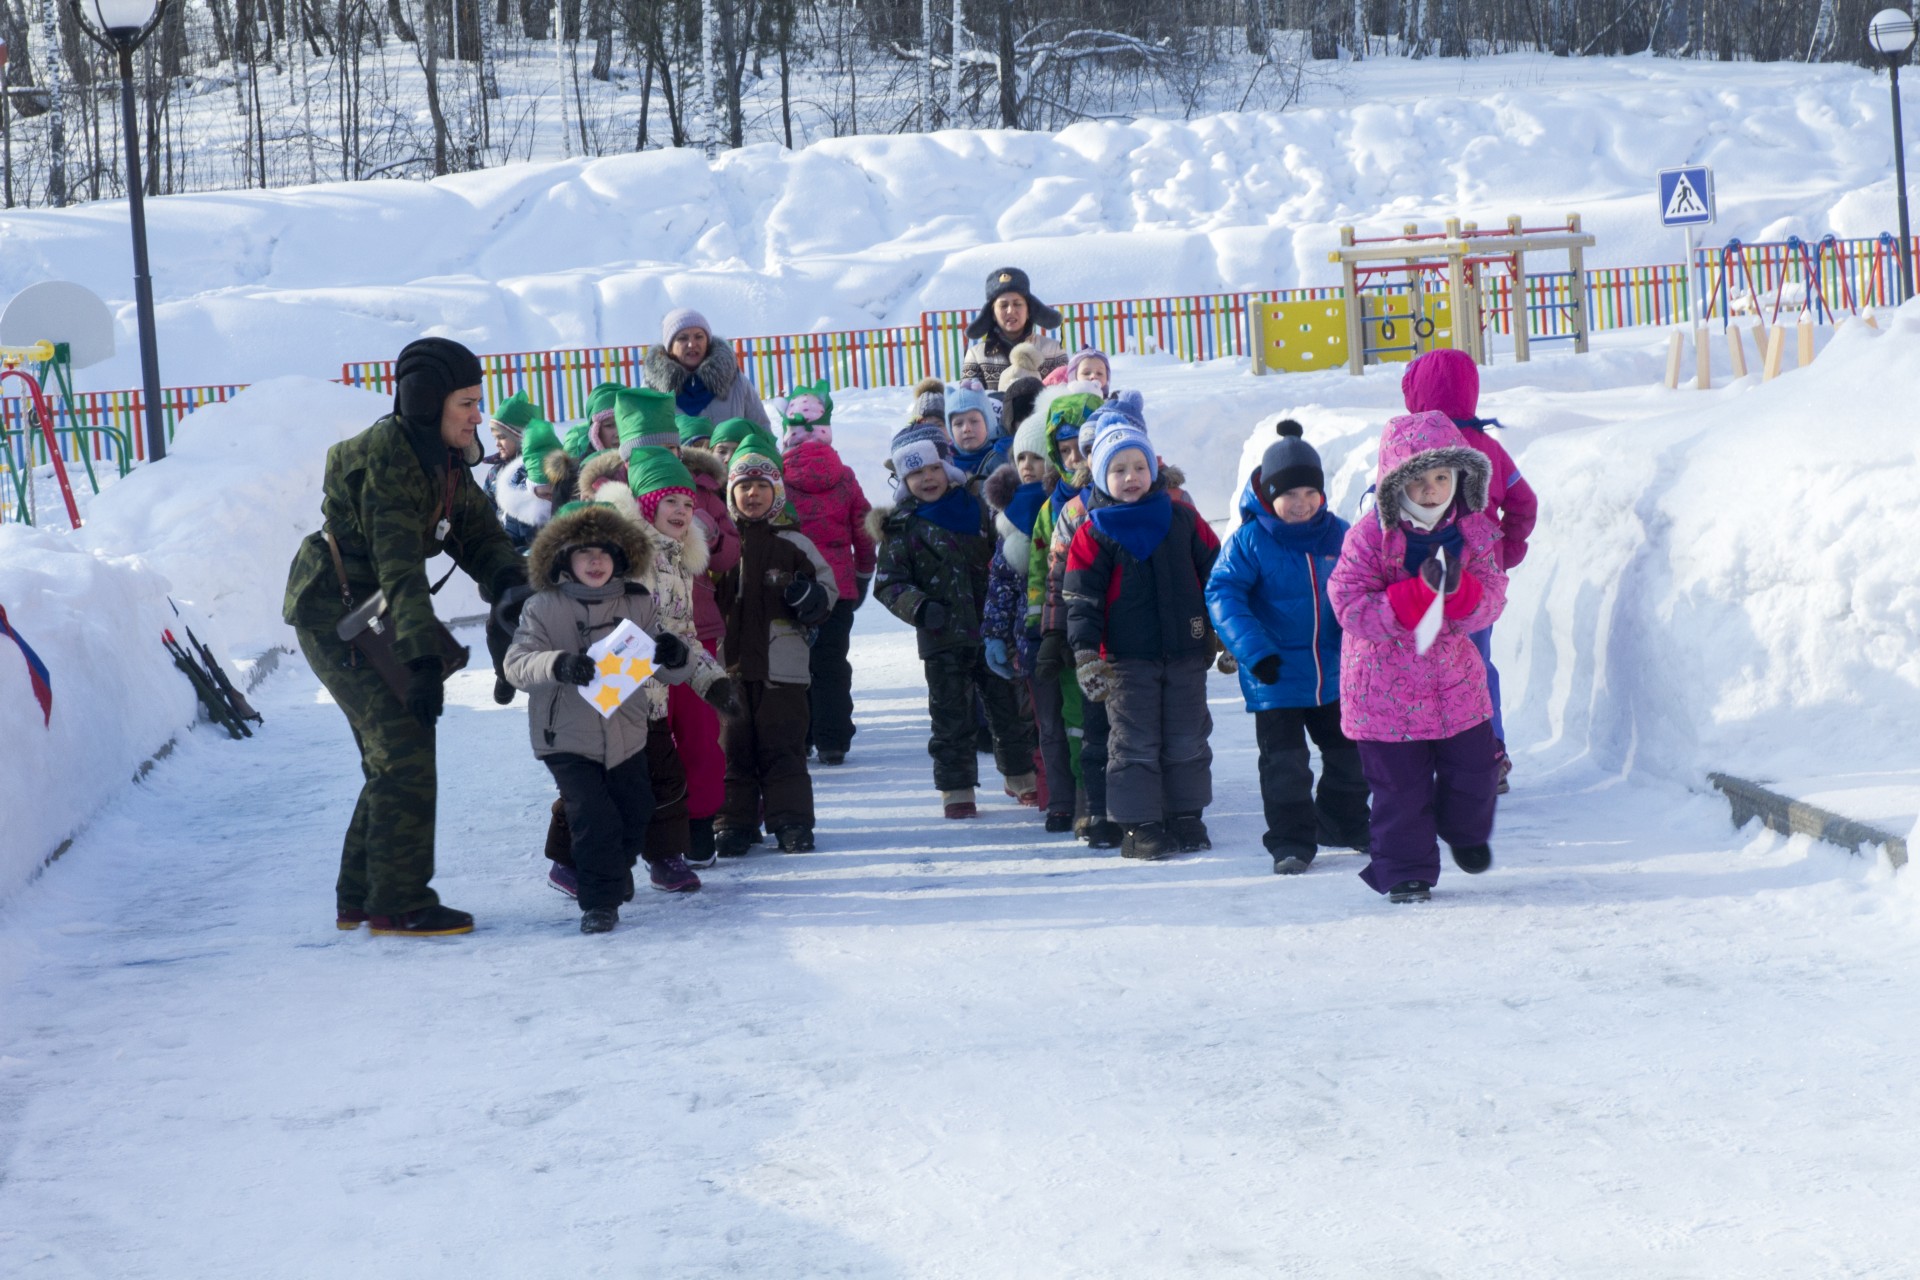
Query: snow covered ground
x=865 y=231
x=1642 y=1045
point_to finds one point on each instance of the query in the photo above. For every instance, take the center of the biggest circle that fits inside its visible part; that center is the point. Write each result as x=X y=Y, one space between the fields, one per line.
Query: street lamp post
x=1891 y=34
x=121 y=26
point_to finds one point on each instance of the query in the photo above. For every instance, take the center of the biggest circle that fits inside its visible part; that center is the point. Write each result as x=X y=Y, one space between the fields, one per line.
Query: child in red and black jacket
x=1137 y=623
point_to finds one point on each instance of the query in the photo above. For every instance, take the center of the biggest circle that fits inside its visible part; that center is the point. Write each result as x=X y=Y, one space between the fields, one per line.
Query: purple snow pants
x=1422 y=790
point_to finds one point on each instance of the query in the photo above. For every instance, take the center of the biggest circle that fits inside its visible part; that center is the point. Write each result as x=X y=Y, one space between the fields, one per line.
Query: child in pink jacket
x=827 y=497
x=1448 y=382
x=1423 y=721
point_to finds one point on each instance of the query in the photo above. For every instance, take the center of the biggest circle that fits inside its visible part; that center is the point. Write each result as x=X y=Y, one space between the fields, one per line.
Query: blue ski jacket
x=1268 y=595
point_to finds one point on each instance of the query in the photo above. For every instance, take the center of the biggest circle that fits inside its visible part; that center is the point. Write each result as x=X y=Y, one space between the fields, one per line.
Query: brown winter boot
x=959 y=804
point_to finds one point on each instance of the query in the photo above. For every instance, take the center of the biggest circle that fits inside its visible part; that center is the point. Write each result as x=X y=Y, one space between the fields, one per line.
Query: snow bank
x=95 y=620
x=221 y=517
x=863 y=231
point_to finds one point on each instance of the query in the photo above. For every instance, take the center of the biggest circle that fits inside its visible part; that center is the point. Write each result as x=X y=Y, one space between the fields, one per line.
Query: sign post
x=1686 y=201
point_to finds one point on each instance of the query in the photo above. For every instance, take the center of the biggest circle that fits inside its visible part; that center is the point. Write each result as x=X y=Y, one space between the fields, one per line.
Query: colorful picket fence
x=1832 y=276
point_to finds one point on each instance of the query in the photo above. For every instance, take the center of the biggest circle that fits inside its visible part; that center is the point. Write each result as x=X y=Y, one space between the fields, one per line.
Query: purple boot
x=672 y=875
x=564 y=879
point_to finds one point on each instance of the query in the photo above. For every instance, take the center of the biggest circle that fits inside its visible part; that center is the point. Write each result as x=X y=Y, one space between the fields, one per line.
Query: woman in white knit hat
x=700 y=371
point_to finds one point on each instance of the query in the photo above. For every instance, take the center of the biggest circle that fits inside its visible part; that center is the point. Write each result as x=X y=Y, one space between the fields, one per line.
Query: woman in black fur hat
x=1010 y=316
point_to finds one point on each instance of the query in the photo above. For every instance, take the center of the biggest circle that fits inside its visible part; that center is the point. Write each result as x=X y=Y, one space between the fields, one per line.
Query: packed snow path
x=1642 y=1045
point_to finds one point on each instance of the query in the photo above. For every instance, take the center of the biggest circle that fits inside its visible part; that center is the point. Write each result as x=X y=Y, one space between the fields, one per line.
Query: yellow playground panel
x=1302 y=337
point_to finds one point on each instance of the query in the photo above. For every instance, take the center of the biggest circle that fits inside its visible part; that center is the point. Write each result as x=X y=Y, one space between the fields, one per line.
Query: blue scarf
x=1024 y=508
x=1063 y=493
x=1309 y=536
x=955 y=510
x=970 y=462
x=1421 y=544
x=1139 y=527
x=693 y=397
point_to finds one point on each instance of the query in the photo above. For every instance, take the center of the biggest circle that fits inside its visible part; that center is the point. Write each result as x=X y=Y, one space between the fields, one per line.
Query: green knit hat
x=693 y=431
x=821 y=391
x=601 y=397
x=738 y=431
x=516 y=412
x=652 y=470
x=536 y=442
x=645 y=419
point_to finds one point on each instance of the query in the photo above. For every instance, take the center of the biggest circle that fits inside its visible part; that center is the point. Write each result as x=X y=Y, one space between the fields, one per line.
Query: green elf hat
x=516 y=412
x=741 y=431
x=536 y=443
x=579 y=442
x=693 y=431
x=645 y=419
x=821 y=393
x=652 y=474
x=601 y=397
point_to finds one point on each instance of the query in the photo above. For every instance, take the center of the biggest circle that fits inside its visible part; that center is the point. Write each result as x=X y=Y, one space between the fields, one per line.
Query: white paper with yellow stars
x=625 y=662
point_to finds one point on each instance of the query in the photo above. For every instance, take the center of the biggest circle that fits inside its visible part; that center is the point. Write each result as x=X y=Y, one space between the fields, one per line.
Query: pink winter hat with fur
x=1443 y=381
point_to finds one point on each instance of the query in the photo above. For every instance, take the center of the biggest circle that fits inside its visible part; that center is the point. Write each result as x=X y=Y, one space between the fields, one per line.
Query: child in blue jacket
x=1268 y=600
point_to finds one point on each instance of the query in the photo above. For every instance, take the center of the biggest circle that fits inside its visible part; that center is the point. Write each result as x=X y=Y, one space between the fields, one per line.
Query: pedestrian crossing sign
x=1686 y=197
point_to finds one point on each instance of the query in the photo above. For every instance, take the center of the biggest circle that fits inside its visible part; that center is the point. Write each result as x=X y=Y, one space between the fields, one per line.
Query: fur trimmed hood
x=877 y=517
x=588 y=526
x=717 y=372
x=692 y=546
x=1420 y=442
x=599 y=469
x=705 y=464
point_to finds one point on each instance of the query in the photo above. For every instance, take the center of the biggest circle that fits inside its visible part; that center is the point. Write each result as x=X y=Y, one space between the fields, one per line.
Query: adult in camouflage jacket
x=393 y=497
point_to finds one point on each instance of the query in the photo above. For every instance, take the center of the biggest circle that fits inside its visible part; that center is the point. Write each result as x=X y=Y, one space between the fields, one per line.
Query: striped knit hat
x=749 y=463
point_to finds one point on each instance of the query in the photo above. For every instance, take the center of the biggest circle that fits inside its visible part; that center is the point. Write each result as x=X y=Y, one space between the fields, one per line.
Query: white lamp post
x=121 y=26
x=1891 y=35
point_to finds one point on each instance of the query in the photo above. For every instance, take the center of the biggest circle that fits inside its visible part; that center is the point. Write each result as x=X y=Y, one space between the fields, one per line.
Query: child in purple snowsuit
x=1424 y=722
x=1448 y=381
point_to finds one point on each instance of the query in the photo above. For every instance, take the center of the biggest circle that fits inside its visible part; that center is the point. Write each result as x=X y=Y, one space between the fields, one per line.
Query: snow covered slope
x=871 y=230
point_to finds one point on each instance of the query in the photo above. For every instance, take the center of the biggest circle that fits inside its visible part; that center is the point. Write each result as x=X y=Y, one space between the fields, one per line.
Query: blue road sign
x=1686 y=196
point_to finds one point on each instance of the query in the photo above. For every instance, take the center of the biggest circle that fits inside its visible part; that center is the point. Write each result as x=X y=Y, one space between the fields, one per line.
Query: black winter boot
x=1410 y=891
x=1148 y=841
x=1190 y=833
x=1472 y=858
x=426 y=922
x=1292 y=860
x=1057 y=823
x=700 y=846
x=599 y=920
x=732 y=842
x=796 y=839
x=1103 y=833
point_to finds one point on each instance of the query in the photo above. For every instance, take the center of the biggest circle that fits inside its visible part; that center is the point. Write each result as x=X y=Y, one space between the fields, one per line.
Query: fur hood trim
x=692 y=546
x=1476 y=473
x=600 y=469
x=594 y=524
x=877 y=517
x=1000 y=487
x=663 y=373
x=704 y=462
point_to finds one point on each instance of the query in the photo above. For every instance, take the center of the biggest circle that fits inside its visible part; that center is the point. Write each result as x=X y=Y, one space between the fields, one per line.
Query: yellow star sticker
x=609 y=665
x=608 y=698
x=638 y=669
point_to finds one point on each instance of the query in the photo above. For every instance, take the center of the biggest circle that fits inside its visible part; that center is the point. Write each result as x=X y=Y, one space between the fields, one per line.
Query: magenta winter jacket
x=1448 y=381
x=832 y=510
x=1389 y=692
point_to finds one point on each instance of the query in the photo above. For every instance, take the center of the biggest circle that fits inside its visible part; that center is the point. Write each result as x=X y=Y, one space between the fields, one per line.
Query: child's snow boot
x=732 y=842
x=1025 y=788
x=959 y=803
x=1059 y=822
x=564 y=878
x=1148 y=841
x=599 y=920
x=672 y=875
x=1103 y=833
x=1472 y=858
x=347 y=919
x=1410 y=891
x=796 y=839
x=831 y=757
x=700 y=850
x=1190 y=833
x=423 y=922
x=1292 y=860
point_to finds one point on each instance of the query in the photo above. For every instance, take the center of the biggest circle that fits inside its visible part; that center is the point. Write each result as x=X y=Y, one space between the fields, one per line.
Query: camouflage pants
x=387 y=860
x=953 y=677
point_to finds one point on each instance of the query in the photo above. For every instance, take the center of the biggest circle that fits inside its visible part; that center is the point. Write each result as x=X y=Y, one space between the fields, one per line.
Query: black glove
x=574 y=668
x=1267 y=670
x=669 y=650
x=808 y=601
x=498 y=642
x=1052 y=658
x=930 y=614
x=860 y=588
x=426 y=693
x=1441 y=585
x=719 y=696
